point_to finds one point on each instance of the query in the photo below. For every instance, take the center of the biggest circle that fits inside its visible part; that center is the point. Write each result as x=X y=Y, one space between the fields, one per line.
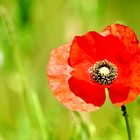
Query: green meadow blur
x=29 y=30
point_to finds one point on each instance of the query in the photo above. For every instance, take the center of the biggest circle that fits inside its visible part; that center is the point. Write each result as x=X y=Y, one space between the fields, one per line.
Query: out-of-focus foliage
x=28 y=110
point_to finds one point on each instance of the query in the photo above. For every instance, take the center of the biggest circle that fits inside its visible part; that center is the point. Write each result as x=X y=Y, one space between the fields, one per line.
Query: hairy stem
x=123 y=109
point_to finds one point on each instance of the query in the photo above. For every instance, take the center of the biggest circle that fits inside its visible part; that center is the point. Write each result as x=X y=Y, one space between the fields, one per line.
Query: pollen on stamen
x=103 y=72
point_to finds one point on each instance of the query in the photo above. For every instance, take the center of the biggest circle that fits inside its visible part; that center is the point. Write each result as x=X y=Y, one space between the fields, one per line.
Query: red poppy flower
x=79 y=71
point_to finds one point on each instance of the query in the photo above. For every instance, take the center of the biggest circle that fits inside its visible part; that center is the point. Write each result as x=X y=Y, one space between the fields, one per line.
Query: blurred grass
x=39 y=26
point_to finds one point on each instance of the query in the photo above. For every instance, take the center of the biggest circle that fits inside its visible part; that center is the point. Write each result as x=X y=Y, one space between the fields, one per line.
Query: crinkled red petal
x=82 y=48
x=135 y=77
x=94 y=47
x=125 y=34
x=118 y=93
x=58 y=72
x=131 y=97
x=89 y=92
x=81 y=70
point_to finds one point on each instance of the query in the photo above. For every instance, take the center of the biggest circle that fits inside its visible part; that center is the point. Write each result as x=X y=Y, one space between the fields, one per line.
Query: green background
x=29 y=30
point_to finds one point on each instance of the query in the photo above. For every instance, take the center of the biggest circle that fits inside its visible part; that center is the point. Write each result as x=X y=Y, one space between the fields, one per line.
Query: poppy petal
x=94 y=47
x=118 y=93
x=134 y=80
x=82 y=48
x=135 y=66
x=89 y=92
x=129 y=80
x=131 y=96
x=125 y=34
x=58 y=72
x=81 y=70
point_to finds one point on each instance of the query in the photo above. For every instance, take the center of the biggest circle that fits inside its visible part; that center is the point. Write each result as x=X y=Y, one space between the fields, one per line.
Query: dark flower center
x=103 y=72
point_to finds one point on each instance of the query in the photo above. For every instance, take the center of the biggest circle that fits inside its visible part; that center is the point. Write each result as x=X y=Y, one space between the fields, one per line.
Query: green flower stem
x=30 y=98
x=123 y=108
x=78 y=115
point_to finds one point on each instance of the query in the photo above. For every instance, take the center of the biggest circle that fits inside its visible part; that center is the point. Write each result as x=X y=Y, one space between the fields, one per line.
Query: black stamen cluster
x=103 y=79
